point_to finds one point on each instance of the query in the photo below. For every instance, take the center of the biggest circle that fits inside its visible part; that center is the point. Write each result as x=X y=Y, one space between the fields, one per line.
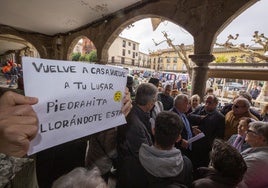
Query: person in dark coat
x=254 y=92
x=212 y=123
x=56 y=161
x=227 y=168
x=158 y=106
x=165 y=97
x=132 y=135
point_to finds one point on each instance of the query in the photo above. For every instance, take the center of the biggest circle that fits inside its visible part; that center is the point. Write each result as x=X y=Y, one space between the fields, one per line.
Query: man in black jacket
x=212 y=123
x=132 y=135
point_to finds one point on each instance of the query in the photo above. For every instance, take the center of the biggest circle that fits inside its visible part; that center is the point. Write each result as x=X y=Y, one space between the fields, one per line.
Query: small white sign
x=75 y=99
x=196 y=137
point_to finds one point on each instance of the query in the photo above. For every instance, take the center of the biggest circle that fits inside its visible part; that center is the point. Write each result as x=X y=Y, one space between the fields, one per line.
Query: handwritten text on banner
x=75 y=99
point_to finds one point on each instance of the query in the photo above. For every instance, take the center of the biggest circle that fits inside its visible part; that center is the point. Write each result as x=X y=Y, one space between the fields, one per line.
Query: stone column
x=59 y=45
x=102 y=55
x=200 y=73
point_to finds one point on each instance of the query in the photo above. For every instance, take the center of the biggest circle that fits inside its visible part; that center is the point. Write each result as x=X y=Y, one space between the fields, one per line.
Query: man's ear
x=179 y=138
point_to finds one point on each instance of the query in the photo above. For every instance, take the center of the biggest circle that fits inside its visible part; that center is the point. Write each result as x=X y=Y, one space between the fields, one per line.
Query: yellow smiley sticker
x=117 y=96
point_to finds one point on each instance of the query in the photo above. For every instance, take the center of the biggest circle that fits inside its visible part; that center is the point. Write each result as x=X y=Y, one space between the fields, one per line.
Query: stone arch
x=25 y=44
x=71 y=47
x=120 y=28
x=20 y=47
x=232 y=17
x=72 y=43
x=41 y=49
x=184 y=14
x=33 y=39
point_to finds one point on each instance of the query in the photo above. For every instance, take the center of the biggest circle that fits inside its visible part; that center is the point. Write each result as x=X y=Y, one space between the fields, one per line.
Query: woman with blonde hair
x=194 y=103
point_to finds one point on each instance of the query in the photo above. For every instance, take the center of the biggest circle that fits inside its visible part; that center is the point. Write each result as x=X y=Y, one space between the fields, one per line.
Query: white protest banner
x=75 y=99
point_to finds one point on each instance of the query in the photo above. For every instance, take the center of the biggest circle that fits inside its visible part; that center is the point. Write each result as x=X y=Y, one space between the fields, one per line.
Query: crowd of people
x=12 y=72
x=153 y=149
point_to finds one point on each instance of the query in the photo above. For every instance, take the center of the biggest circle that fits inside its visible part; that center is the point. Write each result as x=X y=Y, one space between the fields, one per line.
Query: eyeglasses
x=209 y=102
x=236 y=106
x=251 y=131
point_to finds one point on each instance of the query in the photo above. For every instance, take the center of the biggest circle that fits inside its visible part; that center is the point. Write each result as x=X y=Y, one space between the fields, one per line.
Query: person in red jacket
x=6 y=70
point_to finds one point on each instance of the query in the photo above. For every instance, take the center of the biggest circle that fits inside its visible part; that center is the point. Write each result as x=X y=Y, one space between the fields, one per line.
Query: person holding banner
x=100 y=152
x=101 y=147
x=130 y=137
x=18 y=126
x=54 y=162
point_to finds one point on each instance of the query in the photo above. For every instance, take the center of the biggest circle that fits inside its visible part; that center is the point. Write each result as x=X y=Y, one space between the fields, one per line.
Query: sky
x=252 y=19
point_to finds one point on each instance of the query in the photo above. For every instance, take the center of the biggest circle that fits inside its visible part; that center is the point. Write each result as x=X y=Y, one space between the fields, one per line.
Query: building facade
x=124 y=52
x=78 y=47
x=227 y=55
x=144 y=60
x=87 y=46
x=169 y=60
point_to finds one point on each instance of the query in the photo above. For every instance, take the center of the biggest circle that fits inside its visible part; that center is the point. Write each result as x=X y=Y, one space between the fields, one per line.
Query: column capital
x=202 y=59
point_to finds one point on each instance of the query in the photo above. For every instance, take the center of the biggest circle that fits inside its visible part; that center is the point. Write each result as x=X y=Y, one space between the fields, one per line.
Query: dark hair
x=209 y=90
x=168 y=127
x=227 y=161
x=215 y=98
x=130 y=84
x=247 y=119
x=154 y=81
x=129 y=80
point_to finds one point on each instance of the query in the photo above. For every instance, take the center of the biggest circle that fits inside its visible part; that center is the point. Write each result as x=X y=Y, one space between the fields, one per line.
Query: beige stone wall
x=117 y=48
x=170 y=60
